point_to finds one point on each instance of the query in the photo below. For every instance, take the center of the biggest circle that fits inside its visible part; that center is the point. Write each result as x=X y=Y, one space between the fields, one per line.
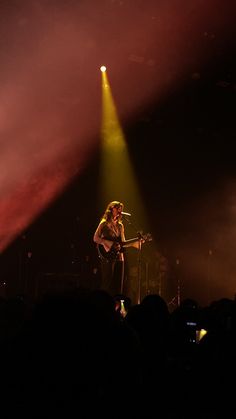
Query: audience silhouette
x=74 y=354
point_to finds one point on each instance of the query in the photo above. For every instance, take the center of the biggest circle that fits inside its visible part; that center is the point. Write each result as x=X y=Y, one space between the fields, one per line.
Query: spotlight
x=103 y=68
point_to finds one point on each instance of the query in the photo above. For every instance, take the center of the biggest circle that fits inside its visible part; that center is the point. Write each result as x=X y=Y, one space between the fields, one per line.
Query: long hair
x=108 y=212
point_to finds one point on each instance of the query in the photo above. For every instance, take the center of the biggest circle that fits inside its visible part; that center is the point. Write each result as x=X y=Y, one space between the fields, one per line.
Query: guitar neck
x=128 y=243
x=135 y=242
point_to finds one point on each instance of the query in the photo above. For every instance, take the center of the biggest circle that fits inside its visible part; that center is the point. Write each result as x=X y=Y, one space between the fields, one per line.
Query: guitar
x=110 y=250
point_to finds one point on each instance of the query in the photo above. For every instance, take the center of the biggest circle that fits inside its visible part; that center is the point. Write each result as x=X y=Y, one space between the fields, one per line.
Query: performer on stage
x=109 y=235
x=110 y=239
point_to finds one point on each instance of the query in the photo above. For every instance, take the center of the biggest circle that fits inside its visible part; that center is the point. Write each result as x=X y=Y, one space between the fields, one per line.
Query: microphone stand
x=139 y=260
x=177 y=298
x=139 y=271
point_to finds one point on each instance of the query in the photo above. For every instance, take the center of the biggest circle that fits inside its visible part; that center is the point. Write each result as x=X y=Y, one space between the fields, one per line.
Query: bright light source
x=199 y=334
x=103 y=68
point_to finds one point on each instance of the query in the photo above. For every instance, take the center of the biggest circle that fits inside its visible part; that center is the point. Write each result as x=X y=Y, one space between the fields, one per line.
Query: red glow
x=50 y=88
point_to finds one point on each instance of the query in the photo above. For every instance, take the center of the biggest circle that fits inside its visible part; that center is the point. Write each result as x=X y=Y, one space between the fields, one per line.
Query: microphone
x=126 y=213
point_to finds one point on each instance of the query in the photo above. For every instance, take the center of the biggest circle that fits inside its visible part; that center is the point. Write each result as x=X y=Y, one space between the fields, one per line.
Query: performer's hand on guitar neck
x=144 y=237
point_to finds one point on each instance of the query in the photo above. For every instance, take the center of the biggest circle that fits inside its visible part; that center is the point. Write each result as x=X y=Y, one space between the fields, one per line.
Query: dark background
x=182 y=149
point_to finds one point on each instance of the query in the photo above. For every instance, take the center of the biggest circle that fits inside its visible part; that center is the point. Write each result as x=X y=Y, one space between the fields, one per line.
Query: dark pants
x=112 y=276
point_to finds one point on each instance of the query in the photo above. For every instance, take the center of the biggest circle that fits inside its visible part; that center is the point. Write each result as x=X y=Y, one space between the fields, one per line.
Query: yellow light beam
x=117 y=179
